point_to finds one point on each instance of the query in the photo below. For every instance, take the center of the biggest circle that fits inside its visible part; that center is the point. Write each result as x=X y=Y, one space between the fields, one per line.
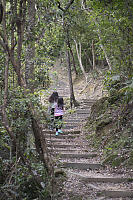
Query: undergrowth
x=110 y=127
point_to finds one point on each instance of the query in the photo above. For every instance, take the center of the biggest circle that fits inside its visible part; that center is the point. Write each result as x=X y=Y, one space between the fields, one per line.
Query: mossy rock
x=110 y=158
x=114 y=160
x=118 y=161
x=59 y=172
x=2 y=178
x=99 y=107
x=113 y=99
x=102 y=123
x=130 y=160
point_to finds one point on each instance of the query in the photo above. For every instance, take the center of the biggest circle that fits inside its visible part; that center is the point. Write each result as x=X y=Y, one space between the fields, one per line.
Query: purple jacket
x=58 y=111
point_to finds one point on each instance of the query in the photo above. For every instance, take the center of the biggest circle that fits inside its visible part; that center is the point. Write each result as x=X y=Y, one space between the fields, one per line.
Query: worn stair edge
x=71 y=123
x=58 y=140
x=88 y=100
x=117 y=194
x=78 y=155
x=112 y=193
x=74 y=117
x=73 y=120
x=82 y=166
x=82 y=114
x=64 y=145
x=65 y=132
x=69 y=150
x=71 y=126
x=85 y=111
x=101 y=179
x=66 y=136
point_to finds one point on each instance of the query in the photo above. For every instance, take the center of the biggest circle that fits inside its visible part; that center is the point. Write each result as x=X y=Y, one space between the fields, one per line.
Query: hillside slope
x=110 y=128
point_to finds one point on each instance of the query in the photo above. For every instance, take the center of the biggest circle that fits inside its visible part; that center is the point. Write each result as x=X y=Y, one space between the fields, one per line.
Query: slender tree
x=30 y=50
x=66 y=30
x=1 y=11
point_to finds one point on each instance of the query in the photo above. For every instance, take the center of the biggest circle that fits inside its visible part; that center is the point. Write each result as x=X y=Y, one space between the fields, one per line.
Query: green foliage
x=119 y=86
x=127 y=91
x=112 y=20
x=23 y=184
x=110 y=128
x=28 y=188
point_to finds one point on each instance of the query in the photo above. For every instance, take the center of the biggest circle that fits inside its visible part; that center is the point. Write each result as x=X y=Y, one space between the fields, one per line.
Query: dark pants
x=58 y=122
x=52 y=114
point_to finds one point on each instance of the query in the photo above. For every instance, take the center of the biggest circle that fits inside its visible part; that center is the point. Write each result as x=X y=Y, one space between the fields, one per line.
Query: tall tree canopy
x=33 y=34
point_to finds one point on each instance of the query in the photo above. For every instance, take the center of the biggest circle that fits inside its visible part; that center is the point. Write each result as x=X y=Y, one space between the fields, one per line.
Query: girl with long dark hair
x=52 y=103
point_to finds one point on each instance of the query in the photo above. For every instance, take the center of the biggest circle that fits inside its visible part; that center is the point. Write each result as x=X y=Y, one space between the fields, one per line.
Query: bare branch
x=1 y=12
x=60 y=7
x=69 y=4
x=67 y=7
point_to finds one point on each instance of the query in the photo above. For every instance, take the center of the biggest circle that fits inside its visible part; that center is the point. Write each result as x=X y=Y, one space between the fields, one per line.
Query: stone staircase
x=87 y=178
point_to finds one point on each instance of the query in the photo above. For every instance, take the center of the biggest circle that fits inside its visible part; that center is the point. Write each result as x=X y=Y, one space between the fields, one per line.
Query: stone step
x=59 y=140
x=70 y=126
x=65 y=145
x=88 y=100
x=65 y=132
x=77 y=155
x=71 y=123
x=73 y=120
x=82 y=166
x=80 y=114
x=104 y=178
x=74 y=117
x=70 y=150
x=83 y=111
x=112 y=190
x=61 y=136
x=64 y=93
x=86 y=104
x=62 y=89
x=108 y=191
x=118 y=193
x=77 y=116
x=88 y=107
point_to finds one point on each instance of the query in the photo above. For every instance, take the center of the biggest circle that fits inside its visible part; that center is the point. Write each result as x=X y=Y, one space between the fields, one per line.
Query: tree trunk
x=74 y=66
x=105 y=53
x=83 y=4
x=80 y=60
x=93 y=55
x=66 y=30
x=88 y=59
x=72 y=97
x=102 y=46
x=73 y=60
x=30 y=50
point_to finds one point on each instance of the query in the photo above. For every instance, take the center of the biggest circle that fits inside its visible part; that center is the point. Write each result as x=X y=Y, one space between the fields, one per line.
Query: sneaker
x=60 y=131
x=57 y=133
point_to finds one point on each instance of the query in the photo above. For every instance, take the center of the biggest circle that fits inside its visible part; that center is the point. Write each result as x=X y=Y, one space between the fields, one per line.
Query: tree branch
x=67 y=7
x=69 y=4
x=1 y=12
x=60 y=6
